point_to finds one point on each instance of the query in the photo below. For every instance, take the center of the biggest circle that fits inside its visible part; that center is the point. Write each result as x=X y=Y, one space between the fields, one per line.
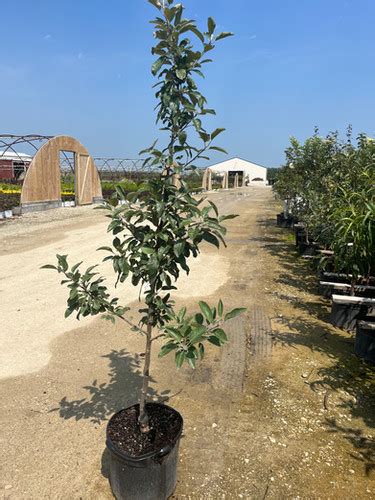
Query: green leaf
x=220 y=308
x=197 y=334
x=157 y=65
x=201 y=350
x=181 y=74
x=210 y=238
x=206 y=310
x=196 y=32
x=211 y=25
x=199 y=318
x=182 y=313
x=49 y=266
x=76 y=266
x=182 y=138
x=155 y=3
x=192 y=362
x=180 y=358
x=234 y=312
x=63 y=262
x=178 y=248
x=147 y=250
x=216 y=132
x=221 y=335
x=167 y=348
x=204 y=136
x=224 y=34
x=214 y=207
x=227 y=217
x=106 y=249
x=221 y=150
x=68 y=312
x=214 y=340
x=208 y=112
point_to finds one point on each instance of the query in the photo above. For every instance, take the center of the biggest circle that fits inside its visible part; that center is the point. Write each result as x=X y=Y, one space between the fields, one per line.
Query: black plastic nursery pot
x=333 y=277
x=346 y=315
x=153 y=474
x=328 y=290
x=287 y=222
x=283 y=221
x=300 y=234
x=279 y=219
x=364 y=346
x=306 y=248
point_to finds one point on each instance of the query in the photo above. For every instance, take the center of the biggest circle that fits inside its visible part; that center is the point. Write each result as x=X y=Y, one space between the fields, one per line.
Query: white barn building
x=250 y=172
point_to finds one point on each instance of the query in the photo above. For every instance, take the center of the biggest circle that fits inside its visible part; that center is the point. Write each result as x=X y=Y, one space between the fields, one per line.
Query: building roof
x=13 y=155
x=236 y=161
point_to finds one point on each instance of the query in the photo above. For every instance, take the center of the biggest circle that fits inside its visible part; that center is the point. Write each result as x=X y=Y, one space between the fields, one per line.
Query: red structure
x=13 y=165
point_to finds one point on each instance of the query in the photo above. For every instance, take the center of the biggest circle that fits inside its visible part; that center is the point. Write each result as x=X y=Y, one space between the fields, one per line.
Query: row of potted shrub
x=328 y=188
x=352 y=305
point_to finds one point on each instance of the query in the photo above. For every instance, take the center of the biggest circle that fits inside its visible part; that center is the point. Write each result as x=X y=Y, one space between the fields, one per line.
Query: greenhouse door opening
x=68 y=176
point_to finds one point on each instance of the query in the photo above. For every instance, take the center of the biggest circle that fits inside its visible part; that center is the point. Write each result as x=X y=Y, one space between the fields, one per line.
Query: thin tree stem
x=143 y=419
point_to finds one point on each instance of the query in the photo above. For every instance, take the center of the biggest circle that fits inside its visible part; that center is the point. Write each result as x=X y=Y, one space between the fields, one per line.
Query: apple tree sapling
x=162 y=225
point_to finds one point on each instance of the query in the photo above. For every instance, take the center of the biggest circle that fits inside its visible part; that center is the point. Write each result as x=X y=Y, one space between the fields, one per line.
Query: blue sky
x=82 y=68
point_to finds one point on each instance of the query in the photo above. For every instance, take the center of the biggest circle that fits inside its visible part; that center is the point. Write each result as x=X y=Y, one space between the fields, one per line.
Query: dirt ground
x=285 y=410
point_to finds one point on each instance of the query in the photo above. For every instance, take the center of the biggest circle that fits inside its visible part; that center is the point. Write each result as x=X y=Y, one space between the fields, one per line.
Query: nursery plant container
x=346 y=310
x=283 y=221
x=327 y=288
x=334 y=277
x=287 y=222
x=344 y=278
x=364 y=346
x=300 y=233
x=305 y=248
x=153 y=474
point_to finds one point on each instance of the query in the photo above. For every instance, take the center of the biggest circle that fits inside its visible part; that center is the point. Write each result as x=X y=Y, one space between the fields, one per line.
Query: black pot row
x=359 y=316
x=361 y=319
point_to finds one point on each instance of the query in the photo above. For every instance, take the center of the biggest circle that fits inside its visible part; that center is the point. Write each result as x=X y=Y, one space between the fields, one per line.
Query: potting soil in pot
x=125 y=434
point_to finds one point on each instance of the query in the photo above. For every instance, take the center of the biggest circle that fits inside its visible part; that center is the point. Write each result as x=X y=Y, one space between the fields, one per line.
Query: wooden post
x=204 y=180
x=223 y=181
x=209 y=179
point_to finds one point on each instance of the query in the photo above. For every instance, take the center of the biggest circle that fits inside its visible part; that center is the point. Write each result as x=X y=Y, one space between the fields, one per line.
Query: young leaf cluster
x=181 y=105
x=88 y=296
x=185 y=335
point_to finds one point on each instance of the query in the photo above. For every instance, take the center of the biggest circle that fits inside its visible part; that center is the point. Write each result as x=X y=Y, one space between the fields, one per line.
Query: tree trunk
x=143 y=419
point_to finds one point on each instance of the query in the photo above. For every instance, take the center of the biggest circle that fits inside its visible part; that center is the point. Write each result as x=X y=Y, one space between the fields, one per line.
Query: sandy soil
x=283 y=411
x=32 y=303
